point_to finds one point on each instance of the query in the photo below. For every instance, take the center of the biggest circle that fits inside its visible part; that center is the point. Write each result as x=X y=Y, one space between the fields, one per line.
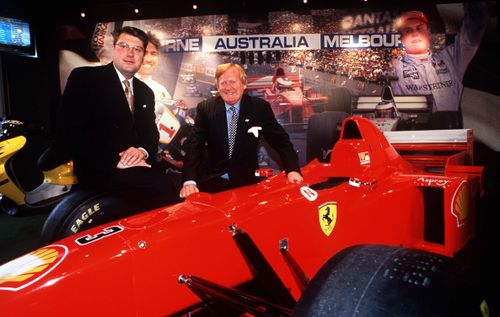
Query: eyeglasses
x=135 y=49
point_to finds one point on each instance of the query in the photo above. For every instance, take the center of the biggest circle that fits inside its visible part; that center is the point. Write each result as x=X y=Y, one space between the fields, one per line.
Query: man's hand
x=132 y=157
x=141 y=163
x=187 y=190
x=294 y=177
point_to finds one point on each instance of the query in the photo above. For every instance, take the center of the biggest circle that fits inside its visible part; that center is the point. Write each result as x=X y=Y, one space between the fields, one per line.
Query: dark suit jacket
x=95 y=123
x=208 y=151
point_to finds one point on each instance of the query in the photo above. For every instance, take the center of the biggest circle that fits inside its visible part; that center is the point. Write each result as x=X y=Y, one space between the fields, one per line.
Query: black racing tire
x=291 y=115
x=323 y=131
x=382 y=281
x=340 y=99
x=82 y=210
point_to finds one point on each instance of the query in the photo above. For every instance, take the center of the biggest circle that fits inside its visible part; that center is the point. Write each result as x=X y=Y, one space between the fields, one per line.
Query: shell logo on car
x=327 y=217
x=23 y=271
x=460 y=203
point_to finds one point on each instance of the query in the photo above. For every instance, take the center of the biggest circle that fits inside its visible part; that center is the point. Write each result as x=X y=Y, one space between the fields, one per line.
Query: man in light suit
x=210 y=164
x=111 y=136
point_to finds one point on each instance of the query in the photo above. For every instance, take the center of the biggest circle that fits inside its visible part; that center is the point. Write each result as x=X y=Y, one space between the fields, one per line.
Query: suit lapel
x=121 y=101
x=245 y=116
x=138 y=94
x=243 y=121
x=220 y=116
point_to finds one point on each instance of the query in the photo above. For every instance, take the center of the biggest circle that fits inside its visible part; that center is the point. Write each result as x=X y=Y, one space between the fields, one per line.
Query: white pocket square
x=255 y=131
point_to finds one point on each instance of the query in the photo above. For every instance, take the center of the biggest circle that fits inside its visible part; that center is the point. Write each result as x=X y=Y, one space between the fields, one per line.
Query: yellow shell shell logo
x=23 y=271
x=327 y=217
x=461 y=203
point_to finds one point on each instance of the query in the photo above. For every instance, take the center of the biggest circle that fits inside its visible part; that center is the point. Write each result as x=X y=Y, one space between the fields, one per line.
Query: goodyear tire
x=379 y=280
x=323 y=131
x=82 y=210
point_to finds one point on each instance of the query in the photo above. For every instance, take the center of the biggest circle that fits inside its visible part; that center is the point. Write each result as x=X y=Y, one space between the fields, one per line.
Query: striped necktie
x=232 y=130
x=128 y=94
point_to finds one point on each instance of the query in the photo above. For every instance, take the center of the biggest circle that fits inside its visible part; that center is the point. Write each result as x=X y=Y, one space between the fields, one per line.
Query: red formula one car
x=378 y=230
x=290 y=100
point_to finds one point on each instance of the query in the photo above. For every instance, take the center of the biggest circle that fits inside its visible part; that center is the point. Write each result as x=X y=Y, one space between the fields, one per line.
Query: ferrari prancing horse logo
x=327 y=217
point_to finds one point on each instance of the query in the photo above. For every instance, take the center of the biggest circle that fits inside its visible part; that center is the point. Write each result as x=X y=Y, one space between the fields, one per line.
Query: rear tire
x=340 y=100
x=82 y=210
x=381 y=281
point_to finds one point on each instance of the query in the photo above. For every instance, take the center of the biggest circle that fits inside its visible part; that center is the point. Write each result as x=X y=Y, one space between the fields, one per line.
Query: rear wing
x=403 y=103
x=434 y=149
x=416 y=109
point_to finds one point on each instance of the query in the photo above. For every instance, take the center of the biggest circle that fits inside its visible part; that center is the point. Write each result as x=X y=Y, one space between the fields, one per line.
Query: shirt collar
x=421 y=58
x=122 y=78
x=236 y=106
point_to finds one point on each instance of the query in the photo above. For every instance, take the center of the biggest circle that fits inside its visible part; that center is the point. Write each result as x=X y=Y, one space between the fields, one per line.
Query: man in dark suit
x=107 y=124
x=214 y=164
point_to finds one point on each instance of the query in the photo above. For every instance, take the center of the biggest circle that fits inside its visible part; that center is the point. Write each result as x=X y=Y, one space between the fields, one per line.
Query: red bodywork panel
x=131 y=267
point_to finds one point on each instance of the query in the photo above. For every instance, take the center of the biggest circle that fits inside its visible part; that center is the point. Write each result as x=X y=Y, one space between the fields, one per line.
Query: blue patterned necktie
x=232 y=130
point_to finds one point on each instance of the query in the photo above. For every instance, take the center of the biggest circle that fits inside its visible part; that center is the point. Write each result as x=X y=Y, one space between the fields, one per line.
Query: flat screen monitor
x=17 y=37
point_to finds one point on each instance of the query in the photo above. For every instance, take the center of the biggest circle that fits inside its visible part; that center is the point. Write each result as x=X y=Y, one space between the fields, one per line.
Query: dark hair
x=153 y=39
x=140 y=34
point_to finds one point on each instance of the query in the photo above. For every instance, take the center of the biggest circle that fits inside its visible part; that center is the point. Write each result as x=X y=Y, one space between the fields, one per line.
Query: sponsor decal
x=432 y=86
x=26 y=270
x=84 y=216
x=440 y=67
x=106 y=232
x=364 y=158
x=460 y=203
x=367 y=22
x=309 y=193
x=435 y=182
x=327 y=217
x=410 y=72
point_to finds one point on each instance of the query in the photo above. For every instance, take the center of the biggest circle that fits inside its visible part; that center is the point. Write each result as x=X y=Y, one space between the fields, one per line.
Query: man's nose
x=414 y=32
